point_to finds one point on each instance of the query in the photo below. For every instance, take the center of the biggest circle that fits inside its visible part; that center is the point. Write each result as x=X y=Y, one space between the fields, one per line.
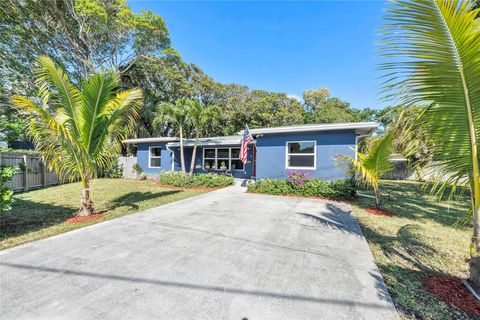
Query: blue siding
x=166 y=162
x=143 y=158
x=271 y=155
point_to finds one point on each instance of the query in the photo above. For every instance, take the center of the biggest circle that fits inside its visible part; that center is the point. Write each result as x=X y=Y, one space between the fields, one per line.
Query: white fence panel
x=128 y=163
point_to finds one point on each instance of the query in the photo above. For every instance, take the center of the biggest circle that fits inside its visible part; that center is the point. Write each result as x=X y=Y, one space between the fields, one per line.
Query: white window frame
x=216 y=158
x=150 y=157
x=287 y=153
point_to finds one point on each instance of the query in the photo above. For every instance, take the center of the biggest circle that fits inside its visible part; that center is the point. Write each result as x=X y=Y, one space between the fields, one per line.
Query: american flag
x=247 y=138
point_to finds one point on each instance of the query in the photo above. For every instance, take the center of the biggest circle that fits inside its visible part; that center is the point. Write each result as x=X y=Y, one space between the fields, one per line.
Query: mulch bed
x=299 y=196
x=451 y=290
x=91 y=217
x=188 y=188
x=380 y=212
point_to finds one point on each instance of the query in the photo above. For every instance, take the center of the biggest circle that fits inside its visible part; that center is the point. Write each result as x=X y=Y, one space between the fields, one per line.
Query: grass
x=41 y=213
x=418 y=242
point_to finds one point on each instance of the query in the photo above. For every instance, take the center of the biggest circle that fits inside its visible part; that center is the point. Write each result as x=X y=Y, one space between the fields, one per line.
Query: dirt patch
x=451 y=290
x=380 y=212
x=78 y=219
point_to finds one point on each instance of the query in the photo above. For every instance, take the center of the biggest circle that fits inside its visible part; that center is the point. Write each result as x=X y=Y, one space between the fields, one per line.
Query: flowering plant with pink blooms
x=298 y=178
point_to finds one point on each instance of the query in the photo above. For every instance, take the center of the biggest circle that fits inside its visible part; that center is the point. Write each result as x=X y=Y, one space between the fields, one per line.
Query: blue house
x=274 y=153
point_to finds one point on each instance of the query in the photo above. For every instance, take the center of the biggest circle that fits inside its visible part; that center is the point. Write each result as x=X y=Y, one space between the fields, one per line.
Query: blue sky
x=280 y=46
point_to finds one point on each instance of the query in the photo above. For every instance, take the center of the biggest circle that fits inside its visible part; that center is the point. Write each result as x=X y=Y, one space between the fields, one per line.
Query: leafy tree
x=321 y=108
x=81 y=35
x=370 y=166
x=78 y=129
x=411 y=138
x=433 y=49
x=177 y=115
x=198 y=118
x=162 y=80
x=315 y=98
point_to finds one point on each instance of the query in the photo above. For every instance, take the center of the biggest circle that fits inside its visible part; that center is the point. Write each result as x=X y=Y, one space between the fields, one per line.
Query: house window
x=301 y=155
x=236 y=163
x=222 y=159
x=155 y=157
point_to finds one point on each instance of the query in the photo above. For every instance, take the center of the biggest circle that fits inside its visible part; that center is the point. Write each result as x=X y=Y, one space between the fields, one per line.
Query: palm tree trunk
x=182 y=157
x=86 y=201
x=194 y=155
x=475 y=245
x=378 y=200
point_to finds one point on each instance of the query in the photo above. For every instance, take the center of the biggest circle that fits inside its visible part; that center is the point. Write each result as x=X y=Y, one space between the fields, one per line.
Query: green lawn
x=419 y=242
x=41 y=213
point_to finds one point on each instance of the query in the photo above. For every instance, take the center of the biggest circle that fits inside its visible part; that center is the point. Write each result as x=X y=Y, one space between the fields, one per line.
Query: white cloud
x=294 y=96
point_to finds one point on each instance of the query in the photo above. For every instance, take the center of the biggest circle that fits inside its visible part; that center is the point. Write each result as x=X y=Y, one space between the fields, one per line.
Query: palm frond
x=433 y=48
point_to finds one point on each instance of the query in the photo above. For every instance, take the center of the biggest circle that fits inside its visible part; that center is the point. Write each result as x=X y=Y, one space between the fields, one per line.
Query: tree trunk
x=194 y=155
x=475 y=246
x=86 y=201
x=378 y=200
x=182 y=157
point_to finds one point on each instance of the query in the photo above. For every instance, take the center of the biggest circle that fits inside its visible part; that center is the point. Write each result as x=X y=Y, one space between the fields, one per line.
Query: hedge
x=339 y=189
x=200 y=180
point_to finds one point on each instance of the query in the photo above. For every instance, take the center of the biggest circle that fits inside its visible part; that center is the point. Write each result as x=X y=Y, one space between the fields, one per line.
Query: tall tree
x=321 y=108
x=433 y=47
x=77 y=129
x=177 y=115
x=81 y=35
x=198 y=118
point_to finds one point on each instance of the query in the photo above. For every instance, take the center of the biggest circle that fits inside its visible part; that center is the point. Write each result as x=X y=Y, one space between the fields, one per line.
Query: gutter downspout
x=357 y=140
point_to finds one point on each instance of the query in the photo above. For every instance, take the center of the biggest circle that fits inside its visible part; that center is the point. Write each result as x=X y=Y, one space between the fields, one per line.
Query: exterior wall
x=272 y=161
x=143 y=158
x=246 y=173
x=166 y=162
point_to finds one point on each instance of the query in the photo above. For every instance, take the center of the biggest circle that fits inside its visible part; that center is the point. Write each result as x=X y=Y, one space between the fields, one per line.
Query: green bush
x=114 y=170
x=203 y=180
x=6 y=200
x=339 y=189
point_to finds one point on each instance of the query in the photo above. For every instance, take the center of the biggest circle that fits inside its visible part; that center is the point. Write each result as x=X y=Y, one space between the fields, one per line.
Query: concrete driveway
x=221 y=255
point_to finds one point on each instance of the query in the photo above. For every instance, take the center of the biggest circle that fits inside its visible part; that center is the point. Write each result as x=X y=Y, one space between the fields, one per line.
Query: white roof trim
x=364 y=126
x=151 y=140
x=210 y=141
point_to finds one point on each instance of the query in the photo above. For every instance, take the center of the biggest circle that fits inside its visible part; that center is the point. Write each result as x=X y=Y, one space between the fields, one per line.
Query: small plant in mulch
x=451 y=290
x=380 y=212
x=91 y=217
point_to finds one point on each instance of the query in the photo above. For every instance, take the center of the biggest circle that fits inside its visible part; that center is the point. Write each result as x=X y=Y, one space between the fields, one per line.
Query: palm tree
x=198 y=118
x=371 y=165
x=176 y=114
x=433 y=52
x=78 y=130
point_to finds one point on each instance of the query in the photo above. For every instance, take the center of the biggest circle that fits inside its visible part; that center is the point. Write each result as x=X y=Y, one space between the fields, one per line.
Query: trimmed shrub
x=339 y=189
x=197 y=180
x=114 y=170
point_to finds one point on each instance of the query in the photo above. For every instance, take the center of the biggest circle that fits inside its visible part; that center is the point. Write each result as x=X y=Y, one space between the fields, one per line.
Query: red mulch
x=187 y=188
x=298 y=196
x=451 y=290
x=380 y=212
x=91 y=217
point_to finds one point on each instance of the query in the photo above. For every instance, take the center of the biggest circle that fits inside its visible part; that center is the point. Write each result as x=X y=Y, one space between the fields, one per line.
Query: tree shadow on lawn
x=406 y=271
x=412 y=201
x=29 y=216
x=132 y=198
